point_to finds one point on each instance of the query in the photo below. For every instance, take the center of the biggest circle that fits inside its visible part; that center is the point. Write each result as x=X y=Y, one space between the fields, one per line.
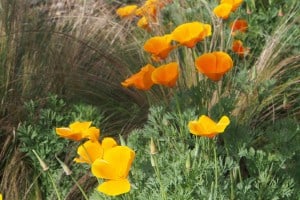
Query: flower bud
x=42 y=163
x=153 y=149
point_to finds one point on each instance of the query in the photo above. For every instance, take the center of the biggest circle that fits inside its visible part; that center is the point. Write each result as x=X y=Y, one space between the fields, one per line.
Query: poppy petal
x=89 y=152
x=114 y=187
x=222 y=124
x=166 y=75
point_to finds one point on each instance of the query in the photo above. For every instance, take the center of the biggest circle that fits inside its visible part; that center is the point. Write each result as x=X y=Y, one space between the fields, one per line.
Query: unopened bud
x=153 y=149
x=280 y=13
x=153 y=164
x=188 y=162
x=42 y=163
x=248 y=11
x=66 y=169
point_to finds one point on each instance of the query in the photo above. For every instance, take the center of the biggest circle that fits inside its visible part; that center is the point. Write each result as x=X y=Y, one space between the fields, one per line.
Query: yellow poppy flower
x=126 y=11
x=90 y=151
x=223 y=10
x=114 y=168
x=235 y=3
x=206 y=127
x=144 y=23
x=214 y=65
x=159 y=46
x=189 y=34
x=141 y=80
x=166 y=75
x=78 y=131
x=1 y=196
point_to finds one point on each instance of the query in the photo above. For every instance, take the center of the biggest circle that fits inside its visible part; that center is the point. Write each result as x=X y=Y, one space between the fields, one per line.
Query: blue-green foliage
x=232 y=166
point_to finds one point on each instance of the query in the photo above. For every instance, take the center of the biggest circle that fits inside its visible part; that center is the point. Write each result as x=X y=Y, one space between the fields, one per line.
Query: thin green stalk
x=54 y=186
x=216 y=171
x=80 y=188
x=157 y=172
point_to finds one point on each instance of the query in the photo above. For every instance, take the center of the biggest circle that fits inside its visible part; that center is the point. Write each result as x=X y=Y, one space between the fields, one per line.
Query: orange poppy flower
x=159 y=46
x=189 y=34
x=166 y=75
x=238 y=48
x=141 y=80
x=223 y=10
x=235 y=3
x=239 y=25
x=214 y=65
x=126 y=11
x=206 y=127
x=78 y=131
x=90 y=151
x=114 y=168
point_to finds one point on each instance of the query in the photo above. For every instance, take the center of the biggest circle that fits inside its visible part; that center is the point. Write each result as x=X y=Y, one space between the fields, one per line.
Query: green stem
x=216 y=171
x=54 y=186
x=80 y=188
x=157 y=172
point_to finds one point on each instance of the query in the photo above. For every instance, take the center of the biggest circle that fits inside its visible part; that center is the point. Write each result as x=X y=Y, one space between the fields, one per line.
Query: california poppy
x=127 y=11
x=223 y=10
x=206 y=127
x=235 y=3
x=114 y=168
x=214 y=65
x=90 y=151
x=238 y=48
x=189 y=34
x=78 y=131
x=166 y=75
x=144 y=23
x=159 y=46
x=239 y=25
x=141 y=80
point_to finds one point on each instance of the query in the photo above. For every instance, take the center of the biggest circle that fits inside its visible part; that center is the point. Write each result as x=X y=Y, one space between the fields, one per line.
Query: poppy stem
x=54 y=185
x=216 y=170
x=80 y=188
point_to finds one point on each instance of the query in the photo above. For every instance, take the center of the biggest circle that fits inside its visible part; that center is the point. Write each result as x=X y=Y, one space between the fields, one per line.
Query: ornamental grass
x=195 y=100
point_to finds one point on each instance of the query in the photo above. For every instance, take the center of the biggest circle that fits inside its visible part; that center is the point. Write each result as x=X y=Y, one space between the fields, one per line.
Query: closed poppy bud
x=141 y=80
x=189 y=34
x=159 y=46
x=188 y=162
x=214 y=65
x=126 y=11
x=166 y=75
x=153 y=149
x=235 y=3
x=239 y=25
x=42 y=163
x=223 y=10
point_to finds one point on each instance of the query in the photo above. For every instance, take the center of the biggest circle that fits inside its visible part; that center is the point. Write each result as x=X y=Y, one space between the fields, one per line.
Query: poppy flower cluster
x=148 y=12
x=226 y=7
x=108 y=160
x=165 y=75
x=239 y=26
